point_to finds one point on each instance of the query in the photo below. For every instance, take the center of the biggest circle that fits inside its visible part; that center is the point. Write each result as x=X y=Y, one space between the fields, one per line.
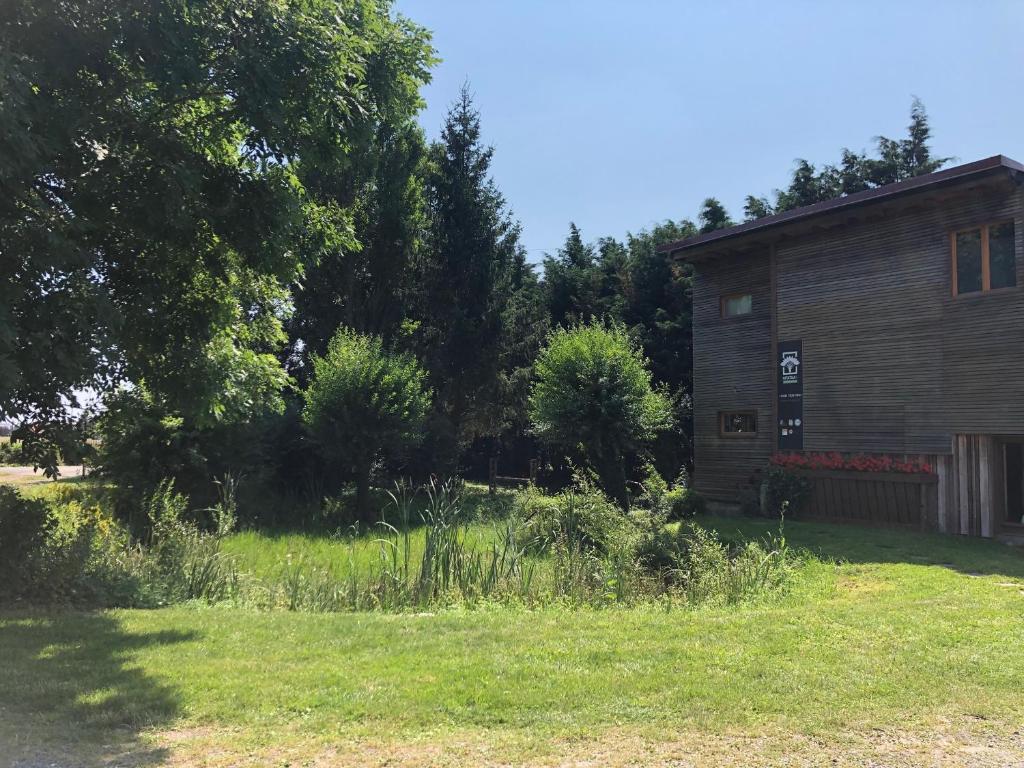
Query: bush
x=671 y=502
x=684 y=503
x=188 y=564
x=142 y=443
x=13 y=454
x=582 y=517
x=24 y=527
x=69 y=549
x=784 y=492
x=365 y=404
x=593 y=399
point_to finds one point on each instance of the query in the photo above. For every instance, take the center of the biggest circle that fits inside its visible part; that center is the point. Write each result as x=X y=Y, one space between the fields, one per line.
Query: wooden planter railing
x=886 y=498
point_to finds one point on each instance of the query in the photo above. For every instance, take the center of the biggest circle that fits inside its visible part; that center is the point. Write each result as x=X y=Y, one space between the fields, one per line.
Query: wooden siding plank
x=985 y=485
x=963 y=485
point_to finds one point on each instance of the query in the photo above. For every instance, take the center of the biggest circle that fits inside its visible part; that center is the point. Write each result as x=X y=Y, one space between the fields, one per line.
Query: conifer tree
x=464 y=275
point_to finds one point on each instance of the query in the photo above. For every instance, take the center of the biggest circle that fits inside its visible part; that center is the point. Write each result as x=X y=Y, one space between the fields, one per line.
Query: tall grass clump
x=423 y=558
x=188 y=563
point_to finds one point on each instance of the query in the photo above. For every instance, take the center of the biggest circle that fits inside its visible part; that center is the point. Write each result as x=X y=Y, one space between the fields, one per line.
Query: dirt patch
x=967 y=742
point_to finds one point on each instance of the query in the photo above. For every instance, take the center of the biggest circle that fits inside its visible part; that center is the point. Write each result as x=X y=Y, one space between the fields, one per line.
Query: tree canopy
x=156 y=197
x=897 y=159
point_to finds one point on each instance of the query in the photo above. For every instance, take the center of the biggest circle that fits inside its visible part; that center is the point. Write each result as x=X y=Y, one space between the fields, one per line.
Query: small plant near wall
x=858 y=463
x=783 y=492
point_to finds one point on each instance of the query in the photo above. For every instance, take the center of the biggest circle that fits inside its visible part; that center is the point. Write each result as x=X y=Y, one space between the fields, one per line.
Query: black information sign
x=790 y=363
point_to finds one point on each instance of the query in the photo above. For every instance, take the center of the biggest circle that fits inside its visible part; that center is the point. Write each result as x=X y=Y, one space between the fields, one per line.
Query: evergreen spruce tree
x=572 y=281
x=465 y=277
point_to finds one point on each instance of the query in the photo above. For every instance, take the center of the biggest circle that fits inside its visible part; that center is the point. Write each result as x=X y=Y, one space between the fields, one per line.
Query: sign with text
x=790 y=361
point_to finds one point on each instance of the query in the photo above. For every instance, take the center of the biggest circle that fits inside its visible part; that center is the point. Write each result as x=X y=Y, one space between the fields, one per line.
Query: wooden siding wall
x=971 y=485
x=732 y=362
x=892 y=361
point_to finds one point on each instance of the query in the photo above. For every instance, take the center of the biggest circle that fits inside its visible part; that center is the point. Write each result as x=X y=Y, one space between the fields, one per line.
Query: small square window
x=737 y=304
x=737 y=423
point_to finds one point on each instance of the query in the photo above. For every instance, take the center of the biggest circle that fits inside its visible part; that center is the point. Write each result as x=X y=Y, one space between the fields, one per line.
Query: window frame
x=986 y=262
x=723 y=298
x=752 y=412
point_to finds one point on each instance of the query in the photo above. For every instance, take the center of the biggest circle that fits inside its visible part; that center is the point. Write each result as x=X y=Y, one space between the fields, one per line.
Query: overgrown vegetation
x=431 y=549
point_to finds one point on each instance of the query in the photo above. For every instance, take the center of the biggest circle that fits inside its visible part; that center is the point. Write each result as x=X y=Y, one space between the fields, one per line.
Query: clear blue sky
x=616 y=115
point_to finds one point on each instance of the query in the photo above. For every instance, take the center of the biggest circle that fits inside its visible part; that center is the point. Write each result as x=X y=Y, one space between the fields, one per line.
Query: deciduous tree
x=363 y=404
x=153 y=204
x=593 y=399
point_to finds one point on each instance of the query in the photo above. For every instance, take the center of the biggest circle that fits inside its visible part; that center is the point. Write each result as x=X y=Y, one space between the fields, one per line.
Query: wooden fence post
x=492 y=475
x=534 y=469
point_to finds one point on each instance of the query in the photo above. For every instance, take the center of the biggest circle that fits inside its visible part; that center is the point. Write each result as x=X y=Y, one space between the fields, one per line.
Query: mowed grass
x=908 y=632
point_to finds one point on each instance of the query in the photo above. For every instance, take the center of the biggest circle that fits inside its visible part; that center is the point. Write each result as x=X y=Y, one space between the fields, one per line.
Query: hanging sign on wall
x=790 y=367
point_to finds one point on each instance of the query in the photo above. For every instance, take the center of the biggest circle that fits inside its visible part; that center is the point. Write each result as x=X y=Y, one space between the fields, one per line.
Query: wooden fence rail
x=884 y=498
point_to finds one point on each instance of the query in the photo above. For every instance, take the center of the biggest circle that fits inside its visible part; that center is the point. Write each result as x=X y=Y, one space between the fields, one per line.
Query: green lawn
x=912 y=644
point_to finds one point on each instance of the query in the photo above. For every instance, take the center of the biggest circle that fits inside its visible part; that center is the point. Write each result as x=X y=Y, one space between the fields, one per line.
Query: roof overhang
x=837 y=210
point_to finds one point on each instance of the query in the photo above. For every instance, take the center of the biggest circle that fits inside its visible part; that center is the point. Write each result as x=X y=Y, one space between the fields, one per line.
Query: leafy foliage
x=155 y=200
x=593 y=398
x=365 y=403
x=784 y=492
x=24 y=526
x=713 y=216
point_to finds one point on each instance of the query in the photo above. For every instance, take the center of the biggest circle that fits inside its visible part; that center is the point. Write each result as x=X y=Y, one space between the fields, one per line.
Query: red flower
x=857 y=463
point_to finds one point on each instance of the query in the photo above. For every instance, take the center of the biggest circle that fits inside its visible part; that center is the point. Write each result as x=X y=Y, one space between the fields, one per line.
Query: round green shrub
x=363 y=404
x=593 y=399
x=581 y=517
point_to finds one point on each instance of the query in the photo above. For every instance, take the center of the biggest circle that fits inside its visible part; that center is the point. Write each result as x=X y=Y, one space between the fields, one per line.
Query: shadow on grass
x=854 y=543
x=71 y=696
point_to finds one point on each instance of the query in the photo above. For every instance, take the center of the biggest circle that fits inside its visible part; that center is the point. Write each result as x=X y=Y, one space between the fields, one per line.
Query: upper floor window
x=984 y=258
x=736 y=304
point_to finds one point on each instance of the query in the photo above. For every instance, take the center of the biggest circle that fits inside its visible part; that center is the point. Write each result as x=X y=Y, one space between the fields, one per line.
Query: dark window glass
x=1002 y=263
x=738 y=304
x=968 y=261
x=739 y=423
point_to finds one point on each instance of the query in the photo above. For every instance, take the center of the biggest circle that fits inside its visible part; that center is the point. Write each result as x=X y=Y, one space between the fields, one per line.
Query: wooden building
x=890 y=321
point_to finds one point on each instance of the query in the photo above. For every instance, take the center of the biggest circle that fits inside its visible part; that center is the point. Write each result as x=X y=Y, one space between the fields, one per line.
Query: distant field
x=25 y=476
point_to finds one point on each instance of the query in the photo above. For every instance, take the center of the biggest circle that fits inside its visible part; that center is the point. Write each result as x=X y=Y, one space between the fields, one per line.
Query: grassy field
x=907 y=651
